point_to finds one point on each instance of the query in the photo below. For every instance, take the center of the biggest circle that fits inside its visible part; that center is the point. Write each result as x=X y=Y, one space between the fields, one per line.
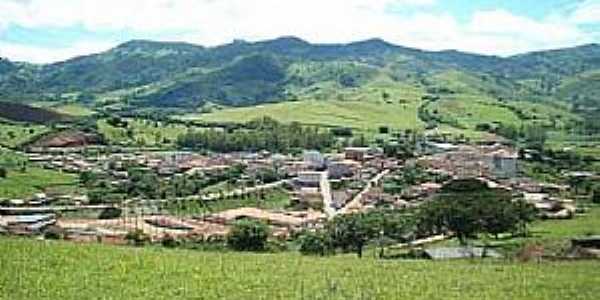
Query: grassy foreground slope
x=56 y=270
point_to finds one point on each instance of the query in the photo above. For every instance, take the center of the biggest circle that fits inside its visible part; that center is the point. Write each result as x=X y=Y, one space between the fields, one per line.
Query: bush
x=54 y=233
x=596 y=195
x=342 y=132
x=248 y=235
x=110 y=213
x=170 y=242
x=314 y=243
x=137 y=237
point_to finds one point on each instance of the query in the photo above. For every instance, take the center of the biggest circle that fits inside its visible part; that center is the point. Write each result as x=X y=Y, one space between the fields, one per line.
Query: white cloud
x=171 y=14
x=34 y=54
x=212 y=22
x=586 y=12
x=499 y=31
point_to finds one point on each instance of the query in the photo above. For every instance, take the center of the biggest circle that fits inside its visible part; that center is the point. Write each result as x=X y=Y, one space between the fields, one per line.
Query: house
x=311 y=178
x=460 y=253
x=340 y=169
x=436 y=148
x=282 y=219
x=587 y=242
x=314 y=159
x=503 y=163
x=588 y=247
x=28 y=224
x=362 y=154
x=356 y=153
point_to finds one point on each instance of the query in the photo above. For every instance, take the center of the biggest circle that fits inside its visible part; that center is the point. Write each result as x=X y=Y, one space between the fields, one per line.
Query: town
x=339 y=149
x=185 y=195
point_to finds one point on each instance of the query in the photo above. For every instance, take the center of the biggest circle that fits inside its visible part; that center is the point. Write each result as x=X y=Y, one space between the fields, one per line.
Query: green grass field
x=56 y=270
x=143 y=133
x=361 y=115
x=35 y=269
x=14 y=135
x=34 y=180
x=70 y=109
x=275 y=199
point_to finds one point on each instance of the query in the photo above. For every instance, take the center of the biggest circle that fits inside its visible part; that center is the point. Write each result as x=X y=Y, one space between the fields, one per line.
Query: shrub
x=248 y=235
x=314 y=243
x=110 y=213
x=137 y=237
x=54 y=233
x=596 y=195
x=169 y=241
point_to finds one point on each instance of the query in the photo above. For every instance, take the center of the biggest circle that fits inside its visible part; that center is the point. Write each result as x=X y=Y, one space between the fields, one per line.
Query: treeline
x=467 y=209
x=259 y=134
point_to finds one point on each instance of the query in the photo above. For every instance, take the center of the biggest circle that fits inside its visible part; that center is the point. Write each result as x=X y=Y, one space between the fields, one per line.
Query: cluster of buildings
x=320 y=186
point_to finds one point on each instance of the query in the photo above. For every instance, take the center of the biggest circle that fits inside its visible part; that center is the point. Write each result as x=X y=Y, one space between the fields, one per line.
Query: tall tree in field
x=469 y=207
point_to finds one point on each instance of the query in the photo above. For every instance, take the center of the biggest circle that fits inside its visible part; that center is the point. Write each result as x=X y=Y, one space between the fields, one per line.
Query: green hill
x=363 y=85
x=243 y=73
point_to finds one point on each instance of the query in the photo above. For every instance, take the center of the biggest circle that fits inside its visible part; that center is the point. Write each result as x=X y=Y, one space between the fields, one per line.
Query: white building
x=311 y=178
x=314 y=159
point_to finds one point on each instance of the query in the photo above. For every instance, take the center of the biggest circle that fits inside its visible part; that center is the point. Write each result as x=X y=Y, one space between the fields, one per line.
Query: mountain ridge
x=189 y=75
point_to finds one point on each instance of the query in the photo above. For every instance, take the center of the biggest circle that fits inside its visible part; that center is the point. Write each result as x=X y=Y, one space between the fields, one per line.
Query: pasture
x=57 y=270
x=18 y=184
x=360 y=115
x=13 y=135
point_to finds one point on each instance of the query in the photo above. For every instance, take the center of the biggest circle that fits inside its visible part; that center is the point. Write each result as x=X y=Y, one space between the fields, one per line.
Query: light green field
x=273 y=200
x=14 y=135
x=362 y=115
x=74 y=110
x=144 y=133
x=34 y=180
x=56 y=270
x=327 y=104
x=468 y=110
x=71 y=109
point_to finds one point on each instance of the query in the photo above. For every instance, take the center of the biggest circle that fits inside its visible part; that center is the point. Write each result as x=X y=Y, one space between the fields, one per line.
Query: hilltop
x=245 y=73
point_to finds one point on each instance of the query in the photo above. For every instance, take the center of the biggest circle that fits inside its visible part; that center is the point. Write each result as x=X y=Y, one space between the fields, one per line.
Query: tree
x=137 y=237
x=596 y=195
x=536 y=136
x=315 y=243
x=3 y=172
x=384 y=129
x=350 y=233
x=248 y=235
x=469 y=207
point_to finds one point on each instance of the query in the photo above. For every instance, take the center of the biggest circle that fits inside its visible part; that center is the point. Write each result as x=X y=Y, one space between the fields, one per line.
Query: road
x=245 y=191
x=217 y=196
x=356 y=201
x=51 y=209
x=329 y=210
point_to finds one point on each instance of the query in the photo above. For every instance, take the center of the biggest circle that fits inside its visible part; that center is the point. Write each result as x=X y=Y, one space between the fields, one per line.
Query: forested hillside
x=144 y=74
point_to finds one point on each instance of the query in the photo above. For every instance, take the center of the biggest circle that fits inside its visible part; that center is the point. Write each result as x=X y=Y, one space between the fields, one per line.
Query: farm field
x=141 y=132
x=14 y=135
x=275 y=199
x=71 y=109
x=361 y=115
x=56 y=270
x=34 y=180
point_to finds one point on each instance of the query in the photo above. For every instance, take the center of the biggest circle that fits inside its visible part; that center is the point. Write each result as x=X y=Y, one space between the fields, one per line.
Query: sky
x=44 y=31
